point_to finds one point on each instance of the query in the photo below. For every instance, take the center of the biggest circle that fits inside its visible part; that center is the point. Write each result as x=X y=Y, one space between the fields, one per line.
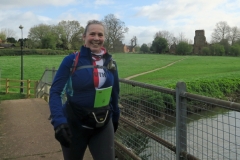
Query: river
x=210 y=135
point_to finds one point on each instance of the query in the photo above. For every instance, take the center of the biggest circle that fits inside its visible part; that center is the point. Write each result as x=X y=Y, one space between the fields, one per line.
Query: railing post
x=7 y=85
x=181 y=113
x=46 y=91
x=28 y=88
x=35 y=89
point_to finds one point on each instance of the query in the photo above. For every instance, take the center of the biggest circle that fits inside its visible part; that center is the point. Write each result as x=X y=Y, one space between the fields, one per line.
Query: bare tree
x=234 y=35
x=115 y=30
x=133 y=43
x=181 y=38
x=3 y=36
x=9 y=32
x=167 y=35
x=221 y=31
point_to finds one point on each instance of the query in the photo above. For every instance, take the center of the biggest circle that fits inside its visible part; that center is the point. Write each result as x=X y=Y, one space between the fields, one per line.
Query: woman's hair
x=92 y=22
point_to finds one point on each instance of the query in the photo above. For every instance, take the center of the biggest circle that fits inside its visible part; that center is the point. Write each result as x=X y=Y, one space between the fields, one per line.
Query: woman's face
x=94 y=37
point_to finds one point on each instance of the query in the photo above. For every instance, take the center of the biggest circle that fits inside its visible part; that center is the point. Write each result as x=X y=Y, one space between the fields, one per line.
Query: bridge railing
x=162 y=123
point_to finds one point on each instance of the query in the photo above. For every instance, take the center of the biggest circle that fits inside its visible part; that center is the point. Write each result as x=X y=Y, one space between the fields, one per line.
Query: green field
x=191 y=68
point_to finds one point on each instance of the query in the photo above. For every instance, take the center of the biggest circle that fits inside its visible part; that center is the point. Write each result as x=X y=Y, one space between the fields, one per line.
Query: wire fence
x=158 y=123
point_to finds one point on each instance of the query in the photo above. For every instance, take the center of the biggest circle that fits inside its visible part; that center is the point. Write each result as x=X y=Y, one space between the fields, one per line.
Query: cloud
x=13 y=19
x=144 y=34
x=103 y=2
x=186 y=16
x=7 y=4
x=143 y=21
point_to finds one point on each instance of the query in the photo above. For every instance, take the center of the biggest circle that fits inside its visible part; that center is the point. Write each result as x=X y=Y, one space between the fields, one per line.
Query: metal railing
x=162 y=123
x=44 y=84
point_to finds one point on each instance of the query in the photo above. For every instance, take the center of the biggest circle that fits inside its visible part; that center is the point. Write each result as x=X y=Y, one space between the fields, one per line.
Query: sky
x=144 y=18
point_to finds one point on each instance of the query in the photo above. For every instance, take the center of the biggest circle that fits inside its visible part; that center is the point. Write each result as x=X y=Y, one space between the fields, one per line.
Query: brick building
x=199 y=41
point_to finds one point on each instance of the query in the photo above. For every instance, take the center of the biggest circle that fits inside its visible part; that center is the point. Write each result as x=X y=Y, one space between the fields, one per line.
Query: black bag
x=94 y=118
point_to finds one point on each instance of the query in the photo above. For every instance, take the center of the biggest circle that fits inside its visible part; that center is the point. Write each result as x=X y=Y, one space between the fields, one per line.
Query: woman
x=90 y=115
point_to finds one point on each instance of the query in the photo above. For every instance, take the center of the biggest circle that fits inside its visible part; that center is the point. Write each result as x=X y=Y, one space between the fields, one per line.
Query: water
x=214 y=134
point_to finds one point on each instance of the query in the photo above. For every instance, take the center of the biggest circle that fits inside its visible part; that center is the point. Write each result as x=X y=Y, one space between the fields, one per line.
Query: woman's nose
x=96 y=37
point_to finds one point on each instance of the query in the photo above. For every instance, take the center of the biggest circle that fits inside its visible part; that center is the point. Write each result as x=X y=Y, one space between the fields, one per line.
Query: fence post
x=35 y=89
x=7 y=85
x=28 y=88
x=181 y=113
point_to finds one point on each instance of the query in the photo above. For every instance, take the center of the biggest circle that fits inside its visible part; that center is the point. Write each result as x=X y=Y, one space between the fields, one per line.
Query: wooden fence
x=9 y=86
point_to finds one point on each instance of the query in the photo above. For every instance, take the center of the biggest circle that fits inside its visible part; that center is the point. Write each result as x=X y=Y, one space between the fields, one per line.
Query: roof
x=7 y=45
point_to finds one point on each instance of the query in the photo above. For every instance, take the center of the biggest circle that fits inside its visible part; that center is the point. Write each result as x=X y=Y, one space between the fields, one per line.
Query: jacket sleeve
x=55 y=101
x=115 y=97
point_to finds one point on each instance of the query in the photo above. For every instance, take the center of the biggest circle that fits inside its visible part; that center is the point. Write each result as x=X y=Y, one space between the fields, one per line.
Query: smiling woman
x=94 y=36
x=82 y=122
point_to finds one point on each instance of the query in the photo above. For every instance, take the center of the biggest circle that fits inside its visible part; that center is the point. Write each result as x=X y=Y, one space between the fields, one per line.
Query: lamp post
x=21 y=44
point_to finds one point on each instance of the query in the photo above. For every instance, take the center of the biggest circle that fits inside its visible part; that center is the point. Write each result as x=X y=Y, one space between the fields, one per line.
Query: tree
x=3 y=36
x=8 y=32
x=226 y=45
x=144 y=48
x=71 y=33
x=221 y=31
x=234 y=35
x=183 y=48
x=205 y=51
x=37 y=33
x=159 y=45
x=133 y=43
x=181 y=38
x=11 y=40
x=167 y=35
x=217 y=49
x=114 y=31
x=49 y=41
x=235 y=50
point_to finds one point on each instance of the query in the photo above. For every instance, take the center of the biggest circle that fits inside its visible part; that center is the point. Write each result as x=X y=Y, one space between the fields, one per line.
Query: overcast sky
x=143 y=17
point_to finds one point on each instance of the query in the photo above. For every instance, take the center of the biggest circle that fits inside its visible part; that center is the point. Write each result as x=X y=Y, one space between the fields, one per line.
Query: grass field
x=195 y=68
x=191 y=68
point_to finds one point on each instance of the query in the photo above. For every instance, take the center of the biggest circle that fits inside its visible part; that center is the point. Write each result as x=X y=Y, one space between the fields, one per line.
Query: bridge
x=155 y=123
x=26 y=132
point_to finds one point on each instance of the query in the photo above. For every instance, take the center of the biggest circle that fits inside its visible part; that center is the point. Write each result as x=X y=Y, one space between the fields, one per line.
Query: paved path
x=26 y=133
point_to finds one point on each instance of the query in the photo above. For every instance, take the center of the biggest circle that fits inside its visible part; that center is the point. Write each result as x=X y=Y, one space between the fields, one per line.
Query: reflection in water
x=210 y=135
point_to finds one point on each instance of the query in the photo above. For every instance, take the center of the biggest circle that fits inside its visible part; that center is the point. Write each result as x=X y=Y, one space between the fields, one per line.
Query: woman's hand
x=63 y=135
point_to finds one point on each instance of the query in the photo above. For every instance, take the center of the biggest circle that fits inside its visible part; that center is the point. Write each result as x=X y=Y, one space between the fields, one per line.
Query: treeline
x=67 y=35
x=225 y=41
x=16 y=52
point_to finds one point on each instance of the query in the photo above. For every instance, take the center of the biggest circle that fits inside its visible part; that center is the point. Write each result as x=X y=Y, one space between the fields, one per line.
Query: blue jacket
x=83 y=86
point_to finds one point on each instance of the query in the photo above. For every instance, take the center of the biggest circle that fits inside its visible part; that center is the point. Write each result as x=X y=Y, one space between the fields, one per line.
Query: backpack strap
x=75 y=62
x=90 y=66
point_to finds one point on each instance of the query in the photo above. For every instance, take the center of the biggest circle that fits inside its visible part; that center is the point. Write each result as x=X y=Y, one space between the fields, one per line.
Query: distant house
x=127 y=48
x=7 y=45
x=120 y=47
